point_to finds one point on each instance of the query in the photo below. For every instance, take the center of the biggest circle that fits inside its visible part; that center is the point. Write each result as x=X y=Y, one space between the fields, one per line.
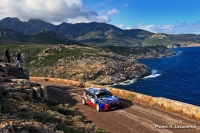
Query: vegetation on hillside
x=32 y=52
x=66 y=118
x=127 y=51
x=94 y=34
x=87 y=63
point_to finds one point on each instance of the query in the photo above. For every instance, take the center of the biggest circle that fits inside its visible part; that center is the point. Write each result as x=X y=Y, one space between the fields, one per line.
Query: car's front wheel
x=83 y=101
x=97 y=107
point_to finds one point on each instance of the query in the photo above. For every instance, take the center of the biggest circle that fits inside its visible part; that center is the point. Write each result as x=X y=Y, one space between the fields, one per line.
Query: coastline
x=151 y=75
x=156 y=54
x=191 y=46
x=179 y=74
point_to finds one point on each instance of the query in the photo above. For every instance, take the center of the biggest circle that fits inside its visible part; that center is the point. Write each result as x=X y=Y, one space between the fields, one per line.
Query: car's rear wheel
x=83 y=101
x=97 y=107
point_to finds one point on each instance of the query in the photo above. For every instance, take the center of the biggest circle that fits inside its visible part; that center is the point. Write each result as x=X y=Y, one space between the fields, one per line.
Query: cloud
x=109 y=12
x=121 y=26
x=55 y=11
x=180 y=28
x=112 y=12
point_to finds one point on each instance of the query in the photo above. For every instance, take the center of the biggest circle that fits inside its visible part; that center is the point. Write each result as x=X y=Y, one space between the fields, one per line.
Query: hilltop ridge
x=102 y=34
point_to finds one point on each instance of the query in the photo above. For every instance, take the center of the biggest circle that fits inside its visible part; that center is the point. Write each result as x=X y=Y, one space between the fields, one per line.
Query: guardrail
x=188 y=110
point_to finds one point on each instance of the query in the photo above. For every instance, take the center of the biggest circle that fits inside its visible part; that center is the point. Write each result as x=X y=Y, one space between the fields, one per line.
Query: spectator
x=7 y=55
x=18 y=57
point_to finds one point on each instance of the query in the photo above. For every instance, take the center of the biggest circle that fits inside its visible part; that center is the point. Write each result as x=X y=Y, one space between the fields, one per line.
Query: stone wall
x=181 y=108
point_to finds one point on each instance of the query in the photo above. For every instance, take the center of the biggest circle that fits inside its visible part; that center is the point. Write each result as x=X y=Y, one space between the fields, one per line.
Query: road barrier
x=188 y=110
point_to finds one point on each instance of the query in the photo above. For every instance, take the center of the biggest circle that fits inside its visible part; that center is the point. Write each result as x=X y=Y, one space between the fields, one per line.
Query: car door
x=91 y=99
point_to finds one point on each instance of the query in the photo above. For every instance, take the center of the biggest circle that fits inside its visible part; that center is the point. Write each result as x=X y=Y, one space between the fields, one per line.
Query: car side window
x=91 y=95
x=86 y=92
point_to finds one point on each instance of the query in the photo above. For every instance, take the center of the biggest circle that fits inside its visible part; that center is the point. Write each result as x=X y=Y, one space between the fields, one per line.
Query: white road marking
x=120 y=111
x=168 y=131
x=75 y=94
x=127 y=113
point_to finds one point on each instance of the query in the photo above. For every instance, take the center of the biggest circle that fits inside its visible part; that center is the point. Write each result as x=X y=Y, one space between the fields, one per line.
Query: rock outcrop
x=18 y=91
x=25 y=108
x=93 y=65
x=16 y=85
x=19 y=72
x=160 y=51
x=15 y=72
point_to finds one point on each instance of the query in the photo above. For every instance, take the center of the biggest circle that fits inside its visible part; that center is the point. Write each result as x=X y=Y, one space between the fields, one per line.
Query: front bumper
x=111 y=106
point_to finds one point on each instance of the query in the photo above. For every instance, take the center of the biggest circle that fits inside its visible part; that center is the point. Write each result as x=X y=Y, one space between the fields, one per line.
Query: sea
x=175 y=77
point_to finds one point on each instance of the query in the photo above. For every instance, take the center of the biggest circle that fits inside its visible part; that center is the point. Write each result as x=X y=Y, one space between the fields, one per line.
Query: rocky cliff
x=25 y=107
x=105 y=65
x=87 y=64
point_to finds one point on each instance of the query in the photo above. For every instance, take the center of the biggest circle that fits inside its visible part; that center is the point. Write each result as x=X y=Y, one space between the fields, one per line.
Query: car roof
x=95 y=90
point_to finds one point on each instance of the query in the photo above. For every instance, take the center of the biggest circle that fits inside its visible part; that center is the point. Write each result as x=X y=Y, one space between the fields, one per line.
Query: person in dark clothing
x=7 y=55
x=18 y=57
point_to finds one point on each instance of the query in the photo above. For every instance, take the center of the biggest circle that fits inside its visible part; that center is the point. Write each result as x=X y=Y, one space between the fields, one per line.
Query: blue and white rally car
x=100 y=98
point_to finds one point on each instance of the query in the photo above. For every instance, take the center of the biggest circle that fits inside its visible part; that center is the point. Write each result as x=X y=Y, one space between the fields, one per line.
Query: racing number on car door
x=91 y=98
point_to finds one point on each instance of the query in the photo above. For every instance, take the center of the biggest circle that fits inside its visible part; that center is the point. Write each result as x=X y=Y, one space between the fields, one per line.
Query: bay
x=175 y=77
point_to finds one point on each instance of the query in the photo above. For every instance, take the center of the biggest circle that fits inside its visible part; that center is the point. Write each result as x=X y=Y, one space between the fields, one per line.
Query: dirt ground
x=132 y=117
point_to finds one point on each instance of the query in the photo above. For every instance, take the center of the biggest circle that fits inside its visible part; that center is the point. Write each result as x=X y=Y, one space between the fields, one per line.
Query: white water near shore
x=174 y=77
x=154 y=74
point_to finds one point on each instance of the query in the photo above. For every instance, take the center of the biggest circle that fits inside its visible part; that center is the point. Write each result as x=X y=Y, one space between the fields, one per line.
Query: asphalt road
x=132 y=117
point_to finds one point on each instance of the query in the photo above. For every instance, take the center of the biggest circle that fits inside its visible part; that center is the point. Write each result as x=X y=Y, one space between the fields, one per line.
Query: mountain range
x=93 y=34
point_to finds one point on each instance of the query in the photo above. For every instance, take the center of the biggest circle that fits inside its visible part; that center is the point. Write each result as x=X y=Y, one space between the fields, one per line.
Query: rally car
x=100 y=98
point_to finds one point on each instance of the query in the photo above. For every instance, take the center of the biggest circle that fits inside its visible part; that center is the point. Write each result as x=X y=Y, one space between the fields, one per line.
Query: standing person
x=7 y=55
x=18 y=57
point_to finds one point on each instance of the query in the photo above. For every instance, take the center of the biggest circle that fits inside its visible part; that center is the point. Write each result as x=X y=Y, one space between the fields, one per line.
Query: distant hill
x=102 y=34
x=9 y=36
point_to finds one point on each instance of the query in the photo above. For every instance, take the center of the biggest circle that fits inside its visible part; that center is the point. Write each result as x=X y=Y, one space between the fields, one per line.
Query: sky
x=158 y=16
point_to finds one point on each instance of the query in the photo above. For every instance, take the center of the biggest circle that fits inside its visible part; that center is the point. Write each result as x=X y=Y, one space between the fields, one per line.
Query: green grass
x=132 y=50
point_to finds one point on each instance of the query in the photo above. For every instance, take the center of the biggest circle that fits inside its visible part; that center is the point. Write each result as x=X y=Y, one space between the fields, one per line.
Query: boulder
x=43 y=91
x=19 y=72
x=24 y=83
x=9 y=88
x=18 y=96
x=3 y=68
x=29 y=93
x=36 y=92
x=6 y=90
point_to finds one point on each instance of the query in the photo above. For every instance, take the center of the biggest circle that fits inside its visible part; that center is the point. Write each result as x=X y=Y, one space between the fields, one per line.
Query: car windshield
x=104 y=94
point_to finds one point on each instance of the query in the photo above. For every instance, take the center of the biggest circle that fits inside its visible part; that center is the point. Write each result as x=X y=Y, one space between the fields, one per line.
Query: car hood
x=110 y=99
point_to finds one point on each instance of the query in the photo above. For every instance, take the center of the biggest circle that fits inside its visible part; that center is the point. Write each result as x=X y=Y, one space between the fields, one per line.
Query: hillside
x=101 y=34
x=97 y=65
x=25 y=107
x=52 y=54
x=9 y=36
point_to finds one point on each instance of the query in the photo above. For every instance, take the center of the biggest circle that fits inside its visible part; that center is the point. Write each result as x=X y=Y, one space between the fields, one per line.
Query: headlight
x=117 y=100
